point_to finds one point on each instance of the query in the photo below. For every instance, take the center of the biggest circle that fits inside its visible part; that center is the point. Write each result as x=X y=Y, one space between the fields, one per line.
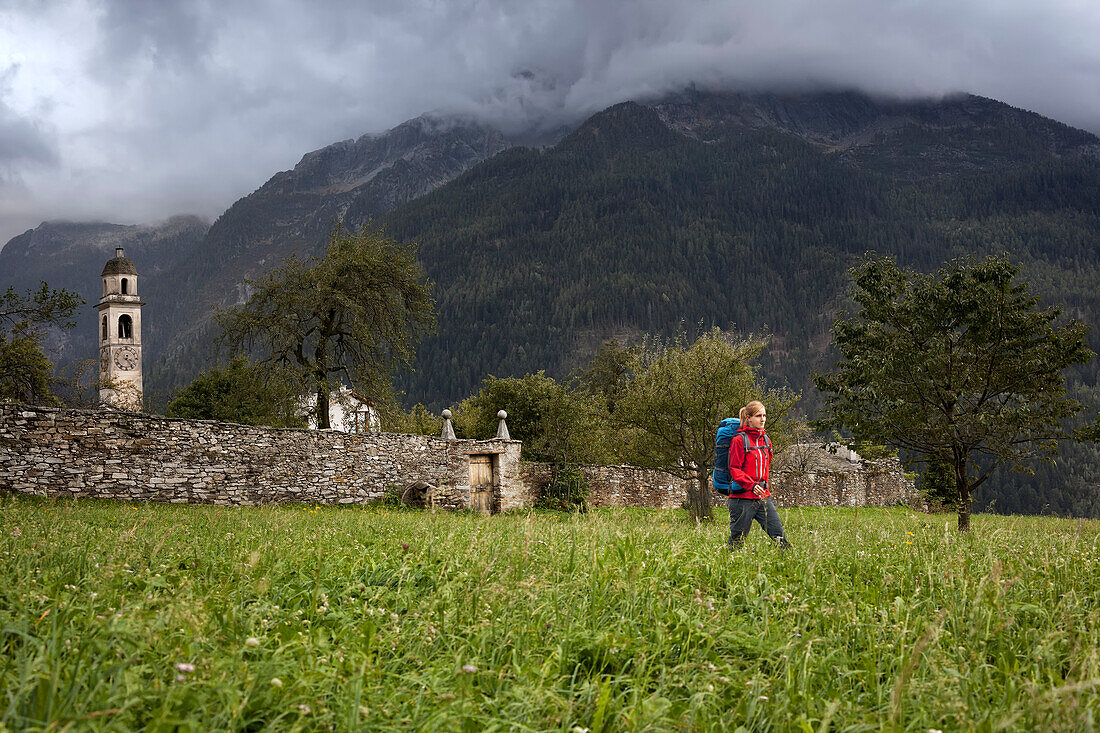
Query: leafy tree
x=567 y=490
x=352 y=315
x=243 y=392
x=959 y=367
x=417 y=421
x=560 y=424
x=25 y=372
x=555 y=421
x=609 y=371
x=937 y=483
x=675 y=396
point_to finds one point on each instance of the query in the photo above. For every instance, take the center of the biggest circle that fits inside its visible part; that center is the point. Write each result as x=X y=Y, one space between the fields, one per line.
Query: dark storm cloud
x=165 y=107
x=167 y=34
x=26 y=143
x=22 y=138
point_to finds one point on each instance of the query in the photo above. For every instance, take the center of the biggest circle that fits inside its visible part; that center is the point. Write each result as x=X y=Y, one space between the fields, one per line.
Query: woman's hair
x=750 y=409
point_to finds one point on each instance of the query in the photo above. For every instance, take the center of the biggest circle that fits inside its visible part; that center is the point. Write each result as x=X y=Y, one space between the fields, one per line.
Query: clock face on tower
x=126 y=358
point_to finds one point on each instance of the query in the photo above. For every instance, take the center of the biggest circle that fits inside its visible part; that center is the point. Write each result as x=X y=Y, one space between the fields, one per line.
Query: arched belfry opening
x=125 y=327
x=125 y=286
x=103 y=336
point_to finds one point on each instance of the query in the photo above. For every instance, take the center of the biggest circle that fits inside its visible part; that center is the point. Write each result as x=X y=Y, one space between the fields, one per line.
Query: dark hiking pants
x=742 y=514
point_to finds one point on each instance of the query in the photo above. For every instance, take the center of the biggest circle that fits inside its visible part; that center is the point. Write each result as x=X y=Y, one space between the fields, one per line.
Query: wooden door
x=481 y=483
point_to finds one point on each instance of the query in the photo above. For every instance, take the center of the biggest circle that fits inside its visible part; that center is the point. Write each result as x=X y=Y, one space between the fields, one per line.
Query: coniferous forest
x=627 y=227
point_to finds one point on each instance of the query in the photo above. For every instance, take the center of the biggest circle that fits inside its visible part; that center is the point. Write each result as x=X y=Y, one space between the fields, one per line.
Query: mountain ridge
x=364 y=179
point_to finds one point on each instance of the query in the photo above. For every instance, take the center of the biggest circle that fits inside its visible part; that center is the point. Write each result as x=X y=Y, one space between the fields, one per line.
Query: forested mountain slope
x=647 y=217
x=630 y=225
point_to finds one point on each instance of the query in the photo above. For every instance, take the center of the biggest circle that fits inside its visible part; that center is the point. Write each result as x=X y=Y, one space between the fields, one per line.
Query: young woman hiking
x=750 y=461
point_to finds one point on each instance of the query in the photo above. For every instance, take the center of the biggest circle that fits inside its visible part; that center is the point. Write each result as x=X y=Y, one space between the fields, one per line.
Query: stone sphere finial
x=448 y=429
x=502 y=414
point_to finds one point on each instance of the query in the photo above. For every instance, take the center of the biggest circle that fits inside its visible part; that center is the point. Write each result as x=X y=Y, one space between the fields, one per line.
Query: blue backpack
x=728 y=428
x=721 y=474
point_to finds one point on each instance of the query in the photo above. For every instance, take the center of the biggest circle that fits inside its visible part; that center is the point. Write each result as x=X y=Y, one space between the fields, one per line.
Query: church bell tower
x=120 y=336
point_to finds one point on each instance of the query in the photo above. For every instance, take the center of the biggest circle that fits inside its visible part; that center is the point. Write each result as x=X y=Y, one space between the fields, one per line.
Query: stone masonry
x=866 y=483
x=134 y=457
x=117 y=455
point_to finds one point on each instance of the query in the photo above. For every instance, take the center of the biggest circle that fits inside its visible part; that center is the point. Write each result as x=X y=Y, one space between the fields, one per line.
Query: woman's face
x=756 y=422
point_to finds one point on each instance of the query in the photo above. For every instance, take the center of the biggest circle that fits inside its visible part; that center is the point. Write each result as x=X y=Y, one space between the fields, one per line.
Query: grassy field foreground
x=117 y=616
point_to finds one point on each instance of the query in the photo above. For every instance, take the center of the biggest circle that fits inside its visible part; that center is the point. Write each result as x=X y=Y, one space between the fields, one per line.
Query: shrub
x=567 y=490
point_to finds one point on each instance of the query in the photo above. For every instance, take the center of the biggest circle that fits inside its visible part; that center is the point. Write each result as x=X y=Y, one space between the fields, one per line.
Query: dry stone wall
x=132 y=457
x=118 y=455
x=831 y=483
x=880 y=482
x=614 y=485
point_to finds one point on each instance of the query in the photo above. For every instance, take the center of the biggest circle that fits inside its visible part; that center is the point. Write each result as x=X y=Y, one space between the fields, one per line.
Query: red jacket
x=749 y=468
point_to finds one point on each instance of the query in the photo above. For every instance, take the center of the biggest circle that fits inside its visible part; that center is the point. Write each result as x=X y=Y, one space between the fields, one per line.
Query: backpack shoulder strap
x=767 y=444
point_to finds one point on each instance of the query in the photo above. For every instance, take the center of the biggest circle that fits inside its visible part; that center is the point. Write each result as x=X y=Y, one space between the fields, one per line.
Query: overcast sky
x=133 y=110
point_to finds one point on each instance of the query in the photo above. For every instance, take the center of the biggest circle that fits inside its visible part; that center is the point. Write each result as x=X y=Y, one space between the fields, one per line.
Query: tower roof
x=118 y=265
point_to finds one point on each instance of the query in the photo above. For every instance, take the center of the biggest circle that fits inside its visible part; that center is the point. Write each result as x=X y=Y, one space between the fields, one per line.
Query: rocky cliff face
x=350 y=182
x=960 y=133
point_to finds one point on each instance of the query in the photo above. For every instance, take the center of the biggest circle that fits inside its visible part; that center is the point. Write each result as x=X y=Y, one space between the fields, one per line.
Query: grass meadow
x=118 y=616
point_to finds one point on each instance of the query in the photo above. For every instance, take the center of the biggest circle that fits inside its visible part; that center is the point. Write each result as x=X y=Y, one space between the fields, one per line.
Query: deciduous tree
x=25 y=372
x=960 y=367
x=242 y=392
x=556 y=421
x=354 y=315
x=677 y=393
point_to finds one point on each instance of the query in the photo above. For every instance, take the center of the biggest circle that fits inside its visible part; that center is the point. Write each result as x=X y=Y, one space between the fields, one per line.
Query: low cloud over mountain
x=128 y=110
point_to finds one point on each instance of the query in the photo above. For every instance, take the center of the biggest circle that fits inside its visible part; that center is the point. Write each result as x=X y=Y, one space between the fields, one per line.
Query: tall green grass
x=120 y=617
